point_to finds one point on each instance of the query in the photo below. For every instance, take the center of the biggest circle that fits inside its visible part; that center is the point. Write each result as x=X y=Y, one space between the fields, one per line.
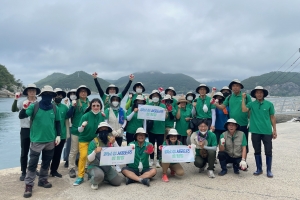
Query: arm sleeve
x=145 y=125
x=70 y=112
x=58 y=128
x=124 y=124
x=128 y=102
x=188 y=140
x=101 y=93
x=211 y=148
x=213 y=116
x=80 y=129
x=126 y=88
x=14 y=107
x=22 y=114
x=92 y=156
x=129 y=117
x=193 y=111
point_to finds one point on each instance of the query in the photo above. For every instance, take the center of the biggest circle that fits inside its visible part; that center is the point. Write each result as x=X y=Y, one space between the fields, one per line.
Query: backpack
x=35 y=110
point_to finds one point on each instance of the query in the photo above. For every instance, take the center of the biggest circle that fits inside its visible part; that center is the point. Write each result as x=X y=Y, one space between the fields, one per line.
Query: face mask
x=190 y=98
x=73 y=97
x=57 y=100
x=139 y=90
x=115 y=103
x=46 y=99
x=203 y=133
x=111 y=94
x=226 y=94
x=205 y=108
x=103 y=136
x=155 y=99
x=95 y=112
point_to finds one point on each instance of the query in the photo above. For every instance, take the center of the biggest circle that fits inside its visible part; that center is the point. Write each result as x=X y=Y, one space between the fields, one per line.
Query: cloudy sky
x=208 y=40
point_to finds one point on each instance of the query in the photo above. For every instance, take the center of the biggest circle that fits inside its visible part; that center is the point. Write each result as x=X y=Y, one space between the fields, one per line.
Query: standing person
x=171 y=91
x=111 y=89
x=190 y=97
x=133 y=123
x=88 y=126
x=140 y=171
x=233 y=101
x=262 y=119
x=75 y=112
x=183 y=117
x=206 y=146
x=139 y=89
x=44 y=136
x=157 y=132
x=225 y=91
x=168 y=101
x=203 y=107
x=62 y=109
x=30 y=92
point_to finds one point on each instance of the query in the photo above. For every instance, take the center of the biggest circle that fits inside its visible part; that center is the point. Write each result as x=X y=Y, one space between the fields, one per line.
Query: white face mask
x=111 y=94
x=202 y=132
x=139 y=90
x=205 y=108
x=155 y=99
x=190 y=98
x=95 y=112
x=115 y=103
x=73 y=97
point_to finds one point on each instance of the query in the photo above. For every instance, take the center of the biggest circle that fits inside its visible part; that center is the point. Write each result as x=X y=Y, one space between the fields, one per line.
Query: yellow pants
x=83 y=150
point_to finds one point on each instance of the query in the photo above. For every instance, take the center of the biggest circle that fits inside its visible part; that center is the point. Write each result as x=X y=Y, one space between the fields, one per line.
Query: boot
x=223 y=167
x=269 y=166
x=258 y=161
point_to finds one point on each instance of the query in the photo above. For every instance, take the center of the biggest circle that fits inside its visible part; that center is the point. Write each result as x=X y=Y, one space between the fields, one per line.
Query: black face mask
x=168 y=102
x=57 y=99
x=103 y=136
x=226 y=94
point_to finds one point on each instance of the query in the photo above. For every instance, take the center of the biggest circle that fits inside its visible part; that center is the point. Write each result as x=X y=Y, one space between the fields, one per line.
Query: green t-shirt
x=106 y=99
x=260 y=121
x=140 y=156
x=78 y=113
x=93 y=120
x=211 y=141
x=181 y=124
x=170 y=122
x=235 y=108
x=63 y=109
x=43 y=125
x=199 y=107
x=244 y=141
x=134 y=123
x=158 y=126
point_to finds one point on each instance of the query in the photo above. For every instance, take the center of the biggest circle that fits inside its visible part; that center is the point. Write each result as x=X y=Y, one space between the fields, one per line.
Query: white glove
x=120 y=132
x=84 y=123
x=57 y=140
x=192 y=146
x=243 y=165
x=222 y=141
x=74 y=103
x=26 y=104
x=115 y=133
x=17 y=95
x=132 y=145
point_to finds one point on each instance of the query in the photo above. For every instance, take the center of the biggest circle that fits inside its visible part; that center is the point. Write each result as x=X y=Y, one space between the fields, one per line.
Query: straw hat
x=259 y=88
x=231 y=121
x=59 y=91
x=83 y=87
x=31 y=86
x=202 y=85
x=170 y=88
x=173 y=131
x=181 y=100
x=112 y=86
x=235 y=81
x=48 y=88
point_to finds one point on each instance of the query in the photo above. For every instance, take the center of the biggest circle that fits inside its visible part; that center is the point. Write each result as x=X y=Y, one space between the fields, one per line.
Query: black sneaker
x=66 y=164
x=53 y=174
x=72 y=173
x=28 y=191
x=45 y=184
x=22 y=177
x=128 y=181
x=146 y=181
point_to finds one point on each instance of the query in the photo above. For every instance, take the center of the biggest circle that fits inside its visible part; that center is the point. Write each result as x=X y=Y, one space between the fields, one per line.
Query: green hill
x=7 y=80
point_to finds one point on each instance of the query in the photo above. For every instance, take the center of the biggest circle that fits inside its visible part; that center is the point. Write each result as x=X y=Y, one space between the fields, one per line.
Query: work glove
x=149 y=149
x=132 y=146
x=243 y=165
x=74 y=103
x=222 y=141
x=57 y=140
x=17 y=95
x=26 y=104
x=84 y=124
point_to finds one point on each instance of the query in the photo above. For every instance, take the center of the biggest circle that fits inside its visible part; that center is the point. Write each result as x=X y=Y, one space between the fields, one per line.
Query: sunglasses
x=96 y=105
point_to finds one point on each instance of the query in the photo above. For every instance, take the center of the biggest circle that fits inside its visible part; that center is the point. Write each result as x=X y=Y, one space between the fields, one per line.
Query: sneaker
x=118 y=169
x=229 y=165
x=150 y=162
x=22 y=177
x=146 y=181
x=222 y=173
x=72 y=173
x=173 y=173
x=53 y=174
x=66 y=164
x=165 y=178
x=44 y=184
x=216 y=161
x=210 y=174
x=78 y=181
x=158 y=165
x=202 y=168
x=28 y=191
x=128 y=181
x=94 y=186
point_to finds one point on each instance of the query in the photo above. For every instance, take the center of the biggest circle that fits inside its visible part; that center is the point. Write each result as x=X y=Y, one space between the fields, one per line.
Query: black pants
x=159 y=138
x=56 y=156
x=256 y=143
x=129 y=137
x=25 y=145
x=183 y=140
x=246 y=131
x=119 y=140
x=218 y=134
x=222 y=155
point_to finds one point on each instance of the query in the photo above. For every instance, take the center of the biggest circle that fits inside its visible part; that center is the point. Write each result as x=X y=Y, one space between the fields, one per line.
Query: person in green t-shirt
x=171 y=91
x=140 y=171
x=190 y=97
x=169 y=123
x=139 y=89
x=205 y=142
x=232 y=148
x=262 y=120
x=173 y=138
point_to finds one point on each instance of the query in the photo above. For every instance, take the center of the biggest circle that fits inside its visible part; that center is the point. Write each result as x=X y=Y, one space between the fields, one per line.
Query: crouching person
x=232 y=148
x=173 y=138
x=139 y=171
x=99 y=173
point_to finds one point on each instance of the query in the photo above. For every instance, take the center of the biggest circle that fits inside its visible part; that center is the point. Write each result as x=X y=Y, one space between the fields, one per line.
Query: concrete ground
x=284 y=185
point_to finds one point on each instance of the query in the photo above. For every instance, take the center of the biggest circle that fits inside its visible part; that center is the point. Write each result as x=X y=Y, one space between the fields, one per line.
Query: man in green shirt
x=140 y=171
x=262 y=119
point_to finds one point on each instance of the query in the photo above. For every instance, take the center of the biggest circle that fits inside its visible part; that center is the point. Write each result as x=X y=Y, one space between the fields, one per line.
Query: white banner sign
x=151 y=112
x=177 y=154
x=117 y=155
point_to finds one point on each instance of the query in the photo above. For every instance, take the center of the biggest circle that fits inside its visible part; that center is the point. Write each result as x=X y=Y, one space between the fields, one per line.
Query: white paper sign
x=117 y=155
x=177 y=154
x=152 y=112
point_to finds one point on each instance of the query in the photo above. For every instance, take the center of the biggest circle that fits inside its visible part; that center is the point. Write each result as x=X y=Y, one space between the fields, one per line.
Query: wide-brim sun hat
x=140 y=97
x=115 y=95
x=112 y=86
x=104 y=124
x=138 y=84
x=202 y=85
x=59 y=91
x=235 y=81
x=190 y=93
x=83 y=87
x=168 y=97
x=218 y=94
x=71 y=91
x=155 y=92
x=226 y=88
x=173 y=131
x=140 y=130
x=259 y=88
x=231 y=121
x=170 y=88
x=181 y=100
x=31 y=86
x=48 y=88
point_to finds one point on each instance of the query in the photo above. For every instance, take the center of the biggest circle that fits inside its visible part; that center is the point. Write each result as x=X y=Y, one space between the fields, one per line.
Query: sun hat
x=60 y=91
x=259 y=88
x=31 y=86
x=190 y=93
x=226 y=88
x=138 y=84
x=231 y=121
x=48 y=88
x=83 y=87
x=140 y=130
x=170 y=88
x=202 y=85
x=218 y=94
x=234 y=81
x=140 y=97
x=173 y=131
x=71 y=91
x=153 y=92
x=104 y=124
x=181 y=100
x=168 y=97
x=112 y=86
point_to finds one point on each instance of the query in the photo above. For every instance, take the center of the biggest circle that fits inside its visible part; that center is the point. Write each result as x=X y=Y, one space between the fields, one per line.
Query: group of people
x=206 y=124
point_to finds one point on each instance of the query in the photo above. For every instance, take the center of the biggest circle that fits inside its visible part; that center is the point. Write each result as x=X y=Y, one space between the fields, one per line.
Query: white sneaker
x=229 y=165
x=151 y=162
x=94 y=187
x=210 y=174
x=118 y=169
x=158 y=165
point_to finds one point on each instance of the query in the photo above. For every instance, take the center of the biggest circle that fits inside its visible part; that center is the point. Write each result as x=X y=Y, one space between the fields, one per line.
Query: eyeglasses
x=96 y=105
